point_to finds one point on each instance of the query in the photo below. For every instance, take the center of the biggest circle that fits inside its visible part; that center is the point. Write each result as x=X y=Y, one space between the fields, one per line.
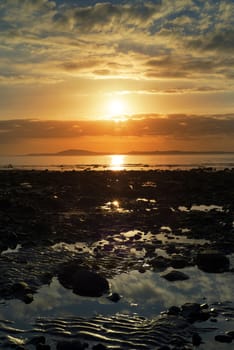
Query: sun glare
x=116 y=107
x=117 y=162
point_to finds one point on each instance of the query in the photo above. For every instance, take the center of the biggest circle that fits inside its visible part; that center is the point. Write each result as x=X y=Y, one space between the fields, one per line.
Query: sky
x=116 y=75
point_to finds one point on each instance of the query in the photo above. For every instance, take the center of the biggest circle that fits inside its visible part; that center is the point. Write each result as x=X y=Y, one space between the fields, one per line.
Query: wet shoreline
x=113 y=223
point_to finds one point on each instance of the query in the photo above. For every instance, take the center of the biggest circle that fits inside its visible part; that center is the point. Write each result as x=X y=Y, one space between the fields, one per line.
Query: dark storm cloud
x=177 y=126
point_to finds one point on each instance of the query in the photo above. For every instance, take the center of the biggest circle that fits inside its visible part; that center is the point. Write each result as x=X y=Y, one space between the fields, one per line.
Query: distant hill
x=69 y=152
x=81 y=152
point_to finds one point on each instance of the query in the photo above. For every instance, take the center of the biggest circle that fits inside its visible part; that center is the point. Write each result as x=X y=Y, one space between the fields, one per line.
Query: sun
x=117 y=162
x=116 y=107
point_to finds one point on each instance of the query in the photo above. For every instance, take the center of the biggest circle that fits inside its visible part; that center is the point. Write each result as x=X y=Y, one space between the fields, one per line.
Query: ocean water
x=119 y=162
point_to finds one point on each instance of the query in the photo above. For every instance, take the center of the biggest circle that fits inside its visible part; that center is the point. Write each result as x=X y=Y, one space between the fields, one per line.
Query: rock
x=212 y=261
x=115 y=297
x=42 y=347
x=175 y=275
x=173 y=310
x=190 y=308
x=160 y=263
x=27 y=298
x=193 y=312
x=196 y=339
x=37 y=340
x=99 y=347
x=22 y=291
x=83 y=282
x=179 y=262
x=230 y=334
x=71 y=345
x=223 y=338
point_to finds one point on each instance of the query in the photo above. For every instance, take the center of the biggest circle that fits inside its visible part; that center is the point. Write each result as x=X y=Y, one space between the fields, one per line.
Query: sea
x=119 y=162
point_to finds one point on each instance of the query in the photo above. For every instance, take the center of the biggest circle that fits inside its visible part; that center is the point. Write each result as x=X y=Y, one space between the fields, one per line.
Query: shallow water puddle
x=146 y=294
x=143 y=297
x=201 y=207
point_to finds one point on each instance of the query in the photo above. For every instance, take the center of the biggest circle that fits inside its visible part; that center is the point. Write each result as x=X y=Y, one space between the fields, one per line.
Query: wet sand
x=111 y=223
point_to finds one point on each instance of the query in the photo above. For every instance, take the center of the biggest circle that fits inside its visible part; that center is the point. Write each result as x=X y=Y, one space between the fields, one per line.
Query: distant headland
x=82 y=152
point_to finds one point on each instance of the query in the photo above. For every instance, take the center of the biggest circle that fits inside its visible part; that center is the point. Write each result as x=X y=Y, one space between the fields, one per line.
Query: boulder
x=212 y=261
x=83 y=282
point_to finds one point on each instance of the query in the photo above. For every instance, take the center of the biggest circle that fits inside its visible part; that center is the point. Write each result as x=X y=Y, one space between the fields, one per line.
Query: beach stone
x=42 y=347
x=115 y=297
x=22 y=291
x=223 y=338
x=175 y=275
x=71 y=345
x=193 y=312
x=83 y=282
x=160 y=263
x=99 y=347
x=174 y=310
x=37 y=340
x=196 y=339
x=212 y=261
x=230 y=334
x=179 y=262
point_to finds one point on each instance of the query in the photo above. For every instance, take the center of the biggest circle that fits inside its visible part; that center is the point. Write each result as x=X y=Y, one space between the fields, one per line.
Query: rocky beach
x=145 y=259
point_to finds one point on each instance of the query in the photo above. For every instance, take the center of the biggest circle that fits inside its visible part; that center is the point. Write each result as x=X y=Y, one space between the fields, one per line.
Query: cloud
x=107 y=16
x=177 y=126
x=158 y=39
x=218 y=41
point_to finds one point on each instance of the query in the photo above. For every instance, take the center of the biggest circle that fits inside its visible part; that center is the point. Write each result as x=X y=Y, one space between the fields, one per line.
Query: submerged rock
x=212 y=261
x=175 y=275
x=83 y=282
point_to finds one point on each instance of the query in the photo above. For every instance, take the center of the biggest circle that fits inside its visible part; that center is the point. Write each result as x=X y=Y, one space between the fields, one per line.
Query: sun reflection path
x=117 y=162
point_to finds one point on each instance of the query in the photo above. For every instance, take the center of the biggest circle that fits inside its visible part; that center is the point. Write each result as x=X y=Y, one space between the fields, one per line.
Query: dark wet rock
x=71 y=345
x=190 y=308
x=175 y=275
x=115 y=297
x=230 y=334
x=83 y=282
x=212 y=261
x=99 y=347
x=22 y=291
x=196 y=339
x=223 y=338
x=179 y=262
x=42 y=347
x=193 y=312
x=160 y=263
x=173 y=310
x=37 y=340
x=141 y=269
